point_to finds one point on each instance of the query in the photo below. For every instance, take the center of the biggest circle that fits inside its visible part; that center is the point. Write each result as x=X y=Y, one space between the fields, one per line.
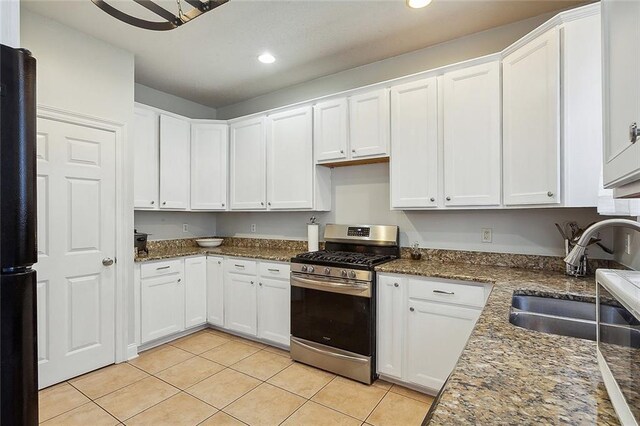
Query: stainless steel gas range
x=333 y=299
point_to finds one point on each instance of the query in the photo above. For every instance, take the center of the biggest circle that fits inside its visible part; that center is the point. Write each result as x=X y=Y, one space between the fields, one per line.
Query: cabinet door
x=531 y=122
x=391 y=311
x=621 y=68
x=330 y=129
x=162 y=306
x=414 y=140
x=436 y=335
x=146 y=159
x=175 y=160
x=215 y=291
x=274 y=307
x=290 y=160
x=472 y=120
x=247 y=162
x=195 y=290
x=369 y=124
x=209 y=166
x=240 y=303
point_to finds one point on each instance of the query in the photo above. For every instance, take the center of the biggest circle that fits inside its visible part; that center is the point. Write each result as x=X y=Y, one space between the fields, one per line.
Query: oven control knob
x=310 y=269
x=303 y=268
x=343 y=273
x=352 y=274
x=327 y=271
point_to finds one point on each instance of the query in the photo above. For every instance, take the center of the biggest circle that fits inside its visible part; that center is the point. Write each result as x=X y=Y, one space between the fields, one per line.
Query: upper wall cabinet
x=331 y=130
x=621 y=33
x=531 y=122
x=247 y=164
x=175 y=162
x=290 y=159
x=354 y=128
x=414 y=138
x=369 y=124
x=209 y=166
x=472 y=142
x=146 y=151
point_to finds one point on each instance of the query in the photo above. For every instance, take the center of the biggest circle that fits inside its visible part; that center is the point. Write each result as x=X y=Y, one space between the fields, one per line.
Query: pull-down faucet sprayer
x=575 y=256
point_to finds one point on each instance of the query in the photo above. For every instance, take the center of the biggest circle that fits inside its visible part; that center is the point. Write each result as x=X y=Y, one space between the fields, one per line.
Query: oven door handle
x=353 y=289
x=333 y=354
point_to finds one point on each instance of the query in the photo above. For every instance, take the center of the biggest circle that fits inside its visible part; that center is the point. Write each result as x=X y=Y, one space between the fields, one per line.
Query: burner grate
x=345 y=257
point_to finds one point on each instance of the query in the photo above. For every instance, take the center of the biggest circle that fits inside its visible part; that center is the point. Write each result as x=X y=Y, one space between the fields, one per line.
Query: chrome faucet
x=575 y=256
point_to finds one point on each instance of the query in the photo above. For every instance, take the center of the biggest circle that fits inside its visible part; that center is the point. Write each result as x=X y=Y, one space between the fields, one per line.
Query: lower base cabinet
x=274 y=309
x=162 y=300
x=240 y=304
x=424 y=325
x=195 y=291
x=215 y=291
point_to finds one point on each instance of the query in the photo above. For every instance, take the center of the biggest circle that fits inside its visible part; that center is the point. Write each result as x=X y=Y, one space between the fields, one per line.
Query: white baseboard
x=132 y=351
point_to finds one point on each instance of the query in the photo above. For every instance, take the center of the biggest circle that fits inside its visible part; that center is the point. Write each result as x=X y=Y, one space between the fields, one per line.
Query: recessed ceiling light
x=267 y=58
x=417 y=4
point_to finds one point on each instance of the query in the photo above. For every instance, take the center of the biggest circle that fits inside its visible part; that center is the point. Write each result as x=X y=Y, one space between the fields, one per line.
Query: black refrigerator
x=18 y=251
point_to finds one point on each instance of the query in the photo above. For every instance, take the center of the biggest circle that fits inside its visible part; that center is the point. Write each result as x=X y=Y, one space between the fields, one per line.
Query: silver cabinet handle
x=396 y=285
x=634 y=132
x=107 y=261
x=260 y=284
x=251 y=282
x=432 y=199
x=273 y=270
x=261 y=203
x=342 y=151
x=164 y=203
x=153 y=202
x=163 y=267
x=269 y=203
x=411 y=309
x=443 y=292
x=222 y=204
x=549 y=194
x=448 y=198
x=238 y=266
x=219 y=262
x=179 y=280
x=353 y=150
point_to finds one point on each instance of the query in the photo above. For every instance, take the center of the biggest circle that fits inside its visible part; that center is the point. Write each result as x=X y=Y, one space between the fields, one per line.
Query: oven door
x=334 y=312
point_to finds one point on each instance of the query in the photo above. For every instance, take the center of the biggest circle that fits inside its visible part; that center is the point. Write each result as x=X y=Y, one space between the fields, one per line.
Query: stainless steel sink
x=573 y=318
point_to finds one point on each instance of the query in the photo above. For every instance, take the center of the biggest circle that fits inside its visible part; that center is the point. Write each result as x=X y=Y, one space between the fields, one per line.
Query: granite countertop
x=265 y=253
x=510 y=375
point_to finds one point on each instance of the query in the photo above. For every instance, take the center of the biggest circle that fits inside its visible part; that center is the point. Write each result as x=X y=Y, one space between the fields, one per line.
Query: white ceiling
x=212 y=60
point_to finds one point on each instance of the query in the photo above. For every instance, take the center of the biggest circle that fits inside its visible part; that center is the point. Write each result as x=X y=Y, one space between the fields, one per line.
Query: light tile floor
x=214 y=378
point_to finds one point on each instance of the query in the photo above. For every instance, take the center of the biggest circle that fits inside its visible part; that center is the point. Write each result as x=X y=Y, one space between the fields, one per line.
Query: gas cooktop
x=342 y=258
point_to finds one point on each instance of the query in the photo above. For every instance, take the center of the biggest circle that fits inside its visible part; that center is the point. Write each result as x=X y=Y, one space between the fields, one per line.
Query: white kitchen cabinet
x=423 y=326
x=369 y=124
x=472 y=136
x=195 y=291
x=146 y=152
x=209 y=157
x=391 y=307
x=240 y=304
x=290 y=165
x=175 y=162
x=247 y=164
x=414 y=142
x=274 y=307
x=436 y=334
x=331 y=129
x=215 y=291
x=621 y=35
x=531 y=122
x=162 y=302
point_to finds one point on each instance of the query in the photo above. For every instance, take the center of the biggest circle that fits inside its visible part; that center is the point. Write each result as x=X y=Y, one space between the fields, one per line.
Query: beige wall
x=631 y=260
x=472 y=46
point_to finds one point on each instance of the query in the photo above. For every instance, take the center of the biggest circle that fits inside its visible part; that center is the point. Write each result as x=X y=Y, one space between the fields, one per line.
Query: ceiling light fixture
x=266 y=58
x=169 y=19
x=418 y=4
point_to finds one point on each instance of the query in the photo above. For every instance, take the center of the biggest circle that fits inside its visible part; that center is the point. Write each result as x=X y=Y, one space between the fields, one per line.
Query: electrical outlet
x=253 y=227
x=627 y=243
x=486 y=235
x=185 y=227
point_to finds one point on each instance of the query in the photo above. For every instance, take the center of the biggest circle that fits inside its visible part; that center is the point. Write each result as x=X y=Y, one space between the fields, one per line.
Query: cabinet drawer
x=240 y=266
x=274 y=270
x=447 y=292
x=157 y=269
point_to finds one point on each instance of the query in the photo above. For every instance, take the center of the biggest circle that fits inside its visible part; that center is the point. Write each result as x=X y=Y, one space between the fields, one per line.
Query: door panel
x=390 y=325
x=472 y=168
x=195 y=293
x=209 y=166
x=146 y=157
x=247 y=162
x=240 y=305
x=330 y=129
x=414 y=141
x=76 y=231
x=369 y=124
x=162 y=306
x=290 y=160
x=274 y=304
x=175 y=163
x=531 y=122
x=215 y=291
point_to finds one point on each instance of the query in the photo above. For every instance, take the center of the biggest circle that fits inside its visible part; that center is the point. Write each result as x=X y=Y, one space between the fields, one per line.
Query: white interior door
x=76 y=232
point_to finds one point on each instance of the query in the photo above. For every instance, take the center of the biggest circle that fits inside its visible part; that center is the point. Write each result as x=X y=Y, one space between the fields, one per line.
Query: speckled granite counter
x=510 y=375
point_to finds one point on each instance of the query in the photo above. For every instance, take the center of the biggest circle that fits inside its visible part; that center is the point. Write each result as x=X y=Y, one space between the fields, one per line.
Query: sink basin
x=573 y=318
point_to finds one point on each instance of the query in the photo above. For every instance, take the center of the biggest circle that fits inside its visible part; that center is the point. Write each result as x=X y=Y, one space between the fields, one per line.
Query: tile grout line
x=374 y=408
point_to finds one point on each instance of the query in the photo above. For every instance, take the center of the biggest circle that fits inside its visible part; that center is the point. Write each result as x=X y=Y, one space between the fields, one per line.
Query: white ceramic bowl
x=209 y=242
